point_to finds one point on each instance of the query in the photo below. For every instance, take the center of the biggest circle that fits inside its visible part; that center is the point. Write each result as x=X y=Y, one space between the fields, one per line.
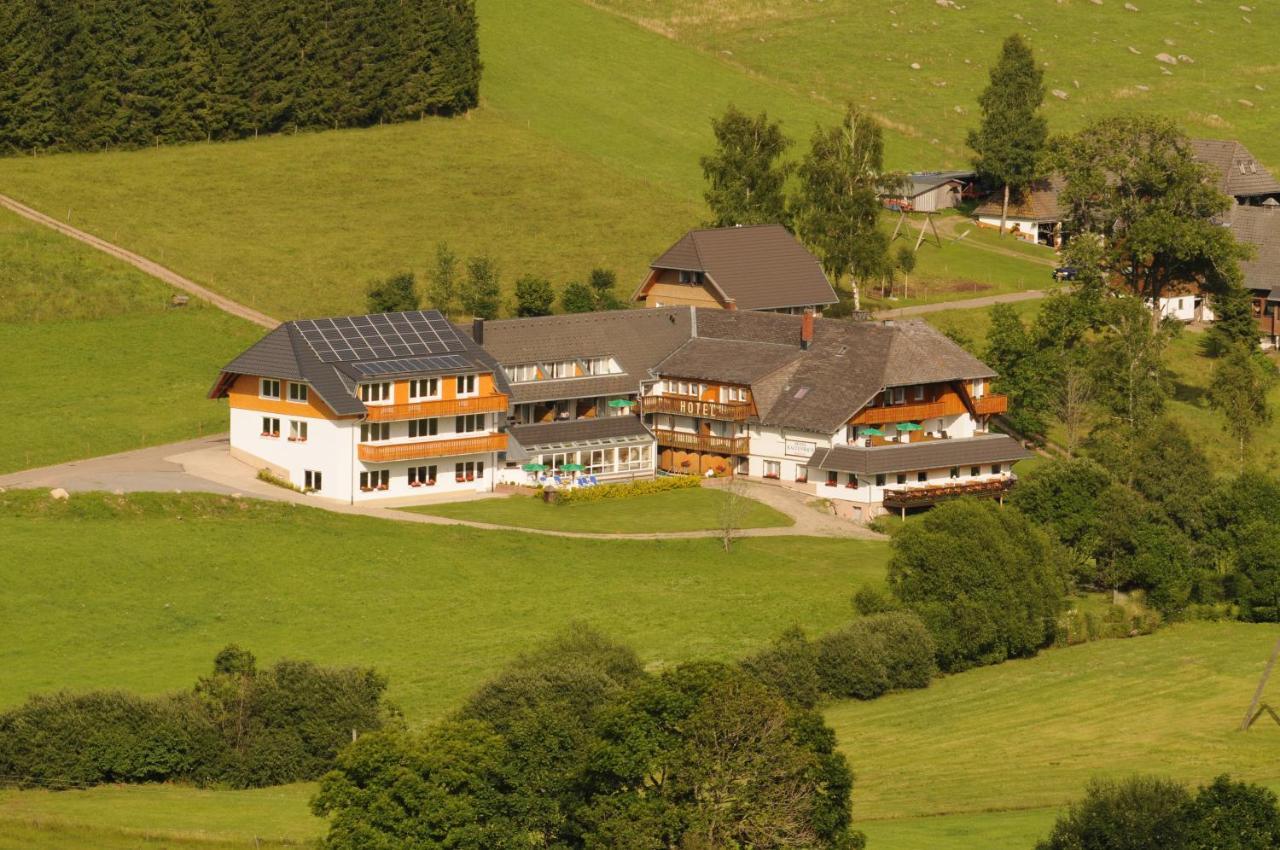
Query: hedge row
x=869 y=657
x=82 y=75
x=603 y=492
x=240 y=727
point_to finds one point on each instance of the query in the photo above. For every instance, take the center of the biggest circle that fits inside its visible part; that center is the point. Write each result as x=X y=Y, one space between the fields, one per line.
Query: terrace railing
x=733 y=411
x=702 y=442
x=385 y=453
x=427 y=409
x=914 y=497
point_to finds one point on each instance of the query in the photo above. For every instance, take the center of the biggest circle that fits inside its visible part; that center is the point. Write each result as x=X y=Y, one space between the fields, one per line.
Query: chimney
x=477 y=330
x=806 y=330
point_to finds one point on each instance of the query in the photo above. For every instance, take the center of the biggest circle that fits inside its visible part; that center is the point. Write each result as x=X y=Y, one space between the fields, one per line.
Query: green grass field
x=862 y=50
x=92 y=358
x=142 y=596
x=676 y=510
x=549 y=177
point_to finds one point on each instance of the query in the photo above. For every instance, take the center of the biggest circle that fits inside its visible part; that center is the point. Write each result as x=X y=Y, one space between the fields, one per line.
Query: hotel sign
x=706 y=409
x=800 y=448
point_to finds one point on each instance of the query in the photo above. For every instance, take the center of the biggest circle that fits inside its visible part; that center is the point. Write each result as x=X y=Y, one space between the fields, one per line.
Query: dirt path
x=966 y=304
x=142 y=264
x=949 y=226
x=205 y=466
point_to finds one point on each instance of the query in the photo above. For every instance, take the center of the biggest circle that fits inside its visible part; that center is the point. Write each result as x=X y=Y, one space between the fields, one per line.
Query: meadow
x=93 y=360
x=139 y=593
x=676 y=510
x=1101 y=56
x=583 y=153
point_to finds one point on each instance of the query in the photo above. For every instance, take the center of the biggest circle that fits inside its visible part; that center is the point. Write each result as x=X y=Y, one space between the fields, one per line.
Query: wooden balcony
x=427 y=409
x=991 y=404
x=385 y=453
x=734 y=411
x=702 y=442
x=913 y=412
x=915 y=497
x=1269 y=325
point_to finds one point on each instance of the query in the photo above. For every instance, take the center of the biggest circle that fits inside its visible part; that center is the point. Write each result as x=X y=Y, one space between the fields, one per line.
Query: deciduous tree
x=534 y=296
x=480 y=293
x=746 y=175
x=1238 y=390
x=442 y=288
x=396 y=293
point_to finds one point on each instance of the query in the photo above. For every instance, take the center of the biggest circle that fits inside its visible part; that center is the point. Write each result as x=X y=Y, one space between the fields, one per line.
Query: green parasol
x=908 y=426
x=621 y=402
x=534 y=467
x=572 y=467
x=872 y=432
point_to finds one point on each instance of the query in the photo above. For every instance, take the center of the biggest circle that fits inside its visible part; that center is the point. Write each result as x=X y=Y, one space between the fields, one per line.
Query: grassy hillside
x=1102 y=56
x=92 y=358
x=584 y=152
x=162 y=582
x=1030 y=733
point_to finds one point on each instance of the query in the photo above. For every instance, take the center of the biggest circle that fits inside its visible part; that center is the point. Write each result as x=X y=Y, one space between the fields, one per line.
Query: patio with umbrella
x=572 y=467
x=533 y=469
x=908 y=426
x=869 y=433
x=621 y=402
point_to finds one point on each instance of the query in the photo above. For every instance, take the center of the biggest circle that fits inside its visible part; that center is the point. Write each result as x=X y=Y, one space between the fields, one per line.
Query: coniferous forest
x=89 y=75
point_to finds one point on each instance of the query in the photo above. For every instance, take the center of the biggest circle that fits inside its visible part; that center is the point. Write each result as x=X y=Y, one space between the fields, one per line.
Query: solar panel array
x=412 y=365
x=382 y=336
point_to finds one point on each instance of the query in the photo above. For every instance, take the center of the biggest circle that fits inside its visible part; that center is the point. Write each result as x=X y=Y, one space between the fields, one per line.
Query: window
x=469 y=471
x=880 y=480
x=979 y=388
x=802 y=475
x=420 y=476
x=372 y=432
x=376 y=393
x=772 y=469
x=424 y=388
x=919 y=390
x=465 y=385
x=469 y=424
x=995 y=469
x=297 y=392
x=955 y=472
x=269 y=388
x=833 y=478
x=733 y=394
x=922 y=477
x=902 y=478
x=897 y=395
x=424 y=427
x=378 y=479
x=312 y=480
x=523 y=373
x=601 y=366
x=975 y=471
x=297 y=431
x=270 y=426
x=690 y=277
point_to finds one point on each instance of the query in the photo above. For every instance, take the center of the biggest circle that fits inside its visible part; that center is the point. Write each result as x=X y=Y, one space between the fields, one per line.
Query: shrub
x=987 y=583
x=789 y=666
x=868 y=600
x=875 y=654
x=603 y=492
x=238 y=726
x=908 y=648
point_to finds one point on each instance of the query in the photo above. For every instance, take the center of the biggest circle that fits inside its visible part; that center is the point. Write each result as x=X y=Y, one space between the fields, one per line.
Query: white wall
x=329 y=448
x=868 y=493
x=770 y=443
x=1183 y=308
x=1028 y=230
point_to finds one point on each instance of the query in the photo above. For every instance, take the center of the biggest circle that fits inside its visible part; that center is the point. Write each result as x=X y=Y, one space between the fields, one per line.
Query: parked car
x=1064 y=273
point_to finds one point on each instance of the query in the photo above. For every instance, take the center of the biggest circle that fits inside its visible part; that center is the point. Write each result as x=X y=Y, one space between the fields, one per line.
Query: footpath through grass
x=93 y=360
x=140 y=592
x=676 y=510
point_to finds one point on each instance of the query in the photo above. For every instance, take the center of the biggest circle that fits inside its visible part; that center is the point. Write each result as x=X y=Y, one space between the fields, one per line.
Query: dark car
x=1064 y=273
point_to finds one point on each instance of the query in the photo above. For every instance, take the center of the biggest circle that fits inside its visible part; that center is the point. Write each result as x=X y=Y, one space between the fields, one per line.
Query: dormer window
x=269 y=388
x=690 y=277
x=378 y=393
x=297 y=392
x=424 y=388
x=465 y=385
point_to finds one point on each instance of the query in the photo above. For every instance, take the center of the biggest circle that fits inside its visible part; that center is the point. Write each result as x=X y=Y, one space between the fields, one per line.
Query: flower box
x=459 y=479
x=851 y=486
x=293 y=439
x=365 y=489
x=770 y=476
x=415 y=483
x=382 y=486
x=275 y=433
x=431 y=482
x=266 y=433
x=470 y=477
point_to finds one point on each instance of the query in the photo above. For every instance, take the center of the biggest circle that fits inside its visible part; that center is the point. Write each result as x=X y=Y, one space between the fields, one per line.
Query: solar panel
x=411 y=365
x=380 y=336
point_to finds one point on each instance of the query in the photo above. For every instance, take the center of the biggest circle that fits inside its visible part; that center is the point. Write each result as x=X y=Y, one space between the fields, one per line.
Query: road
x=142 y=264
x=966 y=304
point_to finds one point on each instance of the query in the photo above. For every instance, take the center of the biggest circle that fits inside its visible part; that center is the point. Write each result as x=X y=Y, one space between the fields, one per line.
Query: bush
x=987 y=583
x=603 y=492
x=868 y=600
x=789 y=666
x=876 y=654
x=238 y=726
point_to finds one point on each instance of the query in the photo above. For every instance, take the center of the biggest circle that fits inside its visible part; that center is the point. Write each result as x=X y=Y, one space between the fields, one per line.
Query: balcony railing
x=702 y=442
x=375 y=453
x=950 y=406
x=733 y=411
x=991 y=404
x=919 y=496
x=427 y=409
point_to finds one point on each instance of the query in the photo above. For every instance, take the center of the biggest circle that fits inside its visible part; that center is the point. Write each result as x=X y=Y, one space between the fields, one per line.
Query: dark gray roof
x=1260 y=227
x=936 y=454
x=761 y=267
x=730 y=361
x=637 y=339
x=1239 y=174
x=609 y=428
x=333 y=355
